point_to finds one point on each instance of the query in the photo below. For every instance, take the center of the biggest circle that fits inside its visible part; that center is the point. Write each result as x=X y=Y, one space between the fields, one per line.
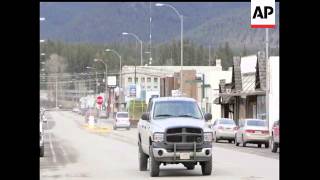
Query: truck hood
x=160 y=125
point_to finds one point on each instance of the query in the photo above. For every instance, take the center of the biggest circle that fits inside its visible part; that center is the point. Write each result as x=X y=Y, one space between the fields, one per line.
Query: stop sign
x=99 y=100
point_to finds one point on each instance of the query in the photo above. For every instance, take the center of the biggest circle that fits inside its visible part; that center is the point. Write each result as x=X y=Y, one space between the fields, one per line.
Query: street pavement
x=74 y=151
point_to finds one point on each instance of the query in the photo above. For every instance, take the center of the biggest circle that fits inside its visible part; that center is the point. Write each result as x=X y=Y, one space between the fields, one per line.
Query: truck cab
x=173 y=131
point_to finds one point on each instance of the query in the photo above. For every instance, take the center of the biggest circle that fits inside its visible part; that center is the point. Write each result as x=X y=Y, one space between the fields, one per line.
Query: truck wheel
x=266 y=145
x=230 y=141
x=216 y=139
x=154 y=165
x=189 y=166
x=259 y=145
x=244 y=144
x=143 y=160
x=206 y=167
x=41 y=151
x=274 y=146
x=235 y=141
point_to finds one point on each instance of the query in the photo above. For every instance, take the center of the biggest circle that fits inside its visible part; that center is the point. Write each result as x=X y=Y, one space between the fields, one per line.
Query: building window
x=143 y=79
x=129 y=79
x=149 y=87
x=155 y=80
x=156 y=87
x=137 y=80
x=148 y=79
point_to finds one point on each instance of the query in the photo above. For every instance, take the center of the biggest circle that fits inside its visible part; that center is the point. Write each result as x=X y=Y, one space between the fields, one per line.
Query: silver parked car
x=224 y=129
x=252 y=131
x=122 y=120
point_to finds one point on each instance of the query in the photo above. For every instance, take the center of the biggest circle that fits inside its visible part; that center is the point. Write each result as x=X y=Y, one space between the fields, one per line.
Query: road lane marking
x=52 y=151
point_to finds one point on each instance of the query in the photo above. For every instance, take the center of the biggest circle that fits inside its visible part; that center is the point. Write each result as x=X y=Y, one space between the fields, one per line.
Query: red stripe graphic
x=262 y=26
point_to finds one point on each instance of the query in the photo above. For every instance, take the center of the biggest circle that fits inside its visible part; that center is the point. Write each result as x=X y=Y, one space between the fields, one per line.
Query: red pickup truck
x=275 y=143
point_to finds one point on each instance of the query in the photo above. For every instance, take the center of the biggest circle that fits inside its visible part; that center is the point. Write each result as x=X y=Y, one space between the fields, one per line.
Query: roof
x=173 y=99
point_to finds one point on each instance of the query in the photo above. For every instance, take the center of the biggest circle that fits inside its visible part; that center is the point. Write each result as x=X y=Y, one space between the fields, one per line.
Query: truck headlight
x=207 y=136
x=158 y=137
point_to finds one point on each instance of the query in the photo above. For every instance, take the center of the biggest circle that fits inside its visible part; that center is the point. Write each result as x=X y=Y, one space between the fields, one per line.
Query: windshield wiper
x=186 y=115
x=164 y=115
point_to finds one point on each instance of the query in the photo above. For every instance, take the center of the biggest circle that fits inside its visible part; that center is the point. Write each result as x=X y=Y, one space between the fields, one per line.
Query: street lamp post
x=120 y=72
x=105 y=65
x=138 y=39
x=106 y=82
x=181 y=34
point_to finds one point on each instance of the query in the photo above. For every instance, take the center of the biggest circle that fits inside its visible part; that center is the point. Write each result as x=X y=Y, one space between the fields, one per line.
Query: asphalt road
x=73 y=151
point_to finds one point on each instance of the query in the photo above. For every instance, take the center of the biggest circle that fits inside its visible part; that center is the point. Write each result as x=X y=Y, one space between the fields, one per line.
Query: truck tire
x=189 y=166
x=206 y=167
x=41 y=151
x=244 y=144
x=274 y=146
x=266 y=145
x=143 y=160
x=235 y=141
x=154 y=165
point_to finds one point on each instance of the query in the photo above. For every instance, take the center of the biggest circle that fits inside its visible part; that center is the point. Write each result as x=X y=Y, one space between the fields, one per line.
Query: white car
x=224 y=129
x=122 y=120
x=41 y=140
x=252 y=131
x=76 y=110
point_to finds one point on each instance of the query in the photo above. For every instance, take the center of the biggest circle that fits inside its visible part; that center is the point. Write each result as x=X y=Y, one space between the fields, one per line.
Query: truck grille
x=184 y=135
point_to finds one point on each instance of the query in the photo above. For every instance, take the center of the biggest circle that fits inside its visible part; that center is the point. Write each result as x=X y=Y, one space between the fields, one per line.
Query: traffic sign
x=99 y=100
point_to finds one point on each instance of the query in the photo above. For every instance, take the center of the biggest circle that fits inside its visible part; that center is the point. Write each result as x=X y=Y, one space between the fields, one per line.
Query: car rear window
x=226 y=121
x=256 y=123
x=122 y=115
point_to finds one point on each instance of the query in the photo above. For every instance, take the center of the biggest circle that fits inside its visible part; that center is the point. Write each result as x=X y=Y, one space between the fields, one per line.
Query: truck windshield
x=168 y=109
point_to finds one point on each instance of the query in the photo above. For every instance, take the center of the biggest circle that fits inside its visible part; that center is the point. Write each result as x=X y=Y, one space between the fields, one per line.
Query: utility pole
x=209 y=54
x=96 y=84
x=267 y=78
x=57 y=91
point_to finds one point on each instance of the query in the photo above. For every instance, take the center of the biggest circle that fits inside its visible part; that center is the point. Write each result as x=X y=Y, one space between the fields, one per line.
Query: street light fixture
x=138 y=39
x=42 y=40
x=181 y=20
x=42 y=18
x=43 y=54
x=105 y=65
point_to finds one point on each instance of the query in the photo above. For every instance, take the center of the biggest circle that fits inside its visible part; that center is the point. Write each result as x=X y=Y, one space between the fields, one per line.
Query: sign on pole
x=99 y=100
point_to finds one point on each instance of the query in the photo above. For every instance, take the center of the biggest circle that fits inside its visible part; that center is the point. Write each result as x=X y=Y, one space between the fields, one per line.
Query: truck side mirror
x=207 y=116
x=145 y=116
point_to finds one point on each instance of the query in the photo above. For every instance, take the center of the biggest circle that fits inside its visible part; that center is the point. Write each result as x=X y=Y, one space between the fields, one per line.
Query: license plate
x=184 y=156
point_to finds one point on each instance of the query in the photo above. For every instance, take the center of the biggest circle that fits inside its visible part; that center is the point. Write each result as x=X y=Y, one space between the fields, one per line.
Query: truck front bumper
x=198 y=152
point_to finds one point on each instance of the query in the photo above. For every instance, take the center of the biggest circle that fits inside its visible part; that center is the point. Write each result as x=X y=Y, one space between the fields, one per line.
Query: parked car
x=224 y=129
x=252 y=131
x=121 y=120
x=75 y=110
x=174 y=130
x=103 y=114
x=41 y=139
x=275 y=134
